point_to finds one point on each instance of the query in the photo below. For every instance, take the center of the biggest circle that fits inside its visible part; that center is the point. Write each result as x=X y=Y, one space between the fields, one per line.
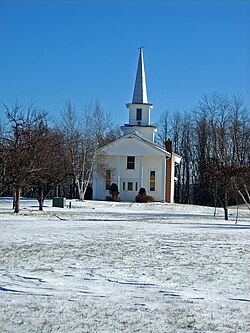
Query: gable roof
x=138 y=137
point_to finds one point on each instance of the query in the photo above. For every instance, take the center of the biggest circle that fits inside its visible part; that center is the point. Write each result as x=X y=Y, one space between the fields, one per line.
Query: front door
x=129 y=189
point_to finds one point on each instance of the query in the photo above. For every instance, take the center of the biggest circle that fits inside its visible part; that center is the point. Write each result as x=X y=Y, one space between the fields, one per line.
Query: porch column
x=140 y=171
x=118 y=173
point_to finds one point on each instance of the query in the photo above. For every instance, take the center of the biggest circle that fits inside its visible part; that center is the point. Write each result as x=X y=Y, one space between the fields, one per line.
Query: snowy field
x=120 y=267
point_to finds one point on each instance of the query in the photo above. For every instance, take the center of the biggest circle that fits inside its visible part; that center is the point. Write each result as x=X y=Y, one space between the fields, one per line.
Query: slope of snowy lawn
x=123 y=267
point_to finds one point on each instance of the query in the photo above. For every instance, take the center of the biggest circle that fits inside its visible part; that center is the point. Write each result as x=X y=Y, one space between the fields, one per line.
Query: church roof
x=177 y=158
x=150 y=143
x=141 y=138
x=140 y=89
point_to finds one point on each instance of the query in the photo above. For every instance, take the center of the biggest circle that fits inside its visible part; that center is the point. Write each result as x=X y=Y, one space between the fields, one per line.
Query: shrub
x=142 y=191
x=143 y=197
x=113 y=191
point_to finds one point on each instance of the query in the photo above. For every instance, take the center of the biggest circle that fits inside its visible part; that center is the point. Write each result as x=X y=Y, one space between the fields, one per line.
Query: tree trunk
x=237 y=212
x=215 y=204
x=73 y=192
x=41 y=202
x=226 y=213
x=244 y=199
x=40 y=197
x=225 y=206
x=14 y=199
x=215 y=209
x=81 y=195
x=17 y=200
x=80 y=189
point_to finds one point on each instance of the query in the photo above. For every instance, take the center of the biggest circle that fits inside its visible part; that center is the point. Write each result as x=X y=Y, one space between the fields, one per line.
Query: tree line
x=214 y=142
x=40 y=159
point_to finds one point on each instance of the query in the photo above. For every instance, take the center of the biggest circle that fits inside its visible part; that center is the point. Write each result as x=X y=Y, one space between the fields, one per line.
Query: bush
x=142 y=191
x=113 y=190
x=143 y=197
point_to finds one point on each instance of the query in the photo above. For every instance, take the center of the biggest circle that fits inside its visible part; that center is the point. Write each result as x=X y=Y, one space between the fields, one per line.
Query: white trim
x=141 y=172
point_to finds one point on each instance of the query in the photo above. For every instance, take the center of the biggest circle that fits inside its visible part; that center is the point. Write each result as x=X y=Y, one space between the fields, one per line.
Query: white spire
x=139 y=109
x=140 y=90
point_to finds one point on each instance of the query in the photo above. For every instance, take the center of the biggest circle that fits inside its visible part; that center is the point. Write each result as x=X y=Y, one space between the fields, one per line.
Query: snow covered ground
x=121 y=267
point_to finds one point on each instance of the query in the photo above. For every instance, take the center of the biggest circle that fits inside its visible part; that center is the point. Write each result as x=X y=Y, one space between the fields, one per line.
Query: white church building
x=136 y=160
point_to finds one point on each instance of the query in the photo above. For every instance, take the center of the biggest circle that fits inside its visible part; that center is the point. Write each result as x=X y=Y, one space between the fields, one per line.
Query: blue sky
x=53 y=51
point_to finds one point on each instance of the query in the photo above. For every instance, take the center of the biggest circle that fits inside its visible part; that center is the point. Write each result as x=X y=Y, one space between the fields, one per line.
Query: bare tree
x=222 y=162
x=164 y=127
x=22 y=147
x=72 y=136
x=84 y=136
x=31 y=154
x=55 y=168
x=97 y=131
x=179 y=127
x=213 y=140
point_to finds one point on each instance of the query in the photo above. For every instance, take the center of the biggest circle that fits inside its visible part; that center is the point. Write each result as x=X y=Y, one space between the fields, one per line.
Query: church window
x=108 y=179
x=138 y=114
x=130 y=186
x=130 y=162
x=152 y=181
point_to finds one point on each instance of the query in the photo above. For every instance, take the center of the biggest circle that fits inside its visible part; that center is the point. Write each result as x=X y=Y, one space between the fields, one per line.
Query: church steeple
x=139 y=109
x=140 y=89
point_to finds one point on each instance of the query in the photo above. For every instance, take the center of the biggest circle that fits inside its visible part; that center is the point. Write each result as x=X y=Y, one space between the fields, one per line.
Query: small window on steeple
x=138 y=114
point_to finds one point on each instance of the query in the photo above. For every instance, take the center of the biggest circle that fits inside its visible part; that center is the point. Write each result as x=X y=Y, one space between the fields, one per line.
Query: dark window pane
x=130 y=162
x=138 y=114
x=130 y=186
